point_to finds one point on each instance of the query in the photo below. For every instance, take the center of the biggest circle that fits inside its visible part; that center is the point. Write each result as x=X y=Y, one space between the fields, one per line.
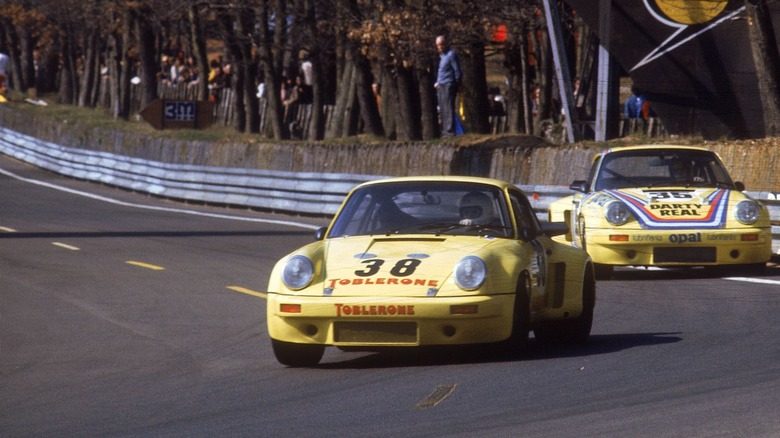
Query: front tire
x=521 y=317
x=572 y=331
x=297 y=355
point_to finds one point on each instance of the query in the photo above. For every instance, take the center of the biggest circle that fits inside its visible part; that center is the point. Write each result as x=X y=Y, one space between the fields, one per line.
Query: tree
x=767 y=62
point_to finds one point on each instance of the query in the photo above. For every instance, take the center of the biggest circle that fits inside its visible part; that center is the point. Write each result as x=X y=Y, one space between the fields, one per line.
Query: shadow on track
x=437 y=356
x=771 y=271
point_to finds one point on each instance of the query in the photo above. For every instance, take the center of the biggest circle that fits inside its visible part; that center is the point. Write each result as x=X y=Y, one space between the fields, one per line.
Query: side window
x=592 y=173
x=525 y=217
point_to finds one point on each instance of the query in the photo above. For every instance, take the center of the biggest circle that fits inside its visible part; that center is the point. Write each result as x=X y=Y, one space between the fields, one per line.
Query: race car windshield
x=437 y=208
x=661 y=168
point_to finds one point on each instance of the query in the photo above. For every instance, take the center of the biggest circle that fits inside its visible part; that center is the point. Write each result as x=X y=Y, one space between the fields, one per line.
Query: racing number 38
x=402 y=268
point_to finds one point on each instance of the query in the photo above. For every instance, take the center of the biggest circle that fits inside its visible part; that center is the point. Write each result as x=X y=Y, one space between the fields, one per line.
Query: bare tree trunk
x=518 y=110
x=27 y=44
x=344 y=98
x=88 y=77
x=429 y=117
x=474 y=89
x=114 y=61
x=390 y=103
x=15 y=76
x=67 y=91
x=767 y=62
x=365 y=95
x=245 y=23
x=544 y=76
x=123 y=68
x=408 y=106
x=232 y=44
x=199 y=51
x=147 y=54
x=274 y=111
x=317 y=124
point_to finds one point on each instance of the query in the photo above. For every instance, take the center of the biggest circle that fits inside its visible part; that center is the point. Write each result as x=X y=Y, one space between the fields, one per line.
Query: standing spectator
x=633 y=105
x=174 y=75
x=216 y=81
x=447 y=82
x=307 y=69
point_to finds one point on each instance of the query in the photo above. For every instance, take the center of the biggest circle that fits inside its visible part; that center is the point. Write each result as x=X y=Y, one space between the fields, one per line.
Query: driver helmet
x=476 y=208
x=679 y=170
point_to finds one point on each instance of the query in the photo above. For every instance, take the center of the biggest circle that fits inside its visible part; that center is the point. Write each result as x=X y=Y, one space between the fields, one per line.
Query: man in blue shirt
x=633 y=105
x=447 y=82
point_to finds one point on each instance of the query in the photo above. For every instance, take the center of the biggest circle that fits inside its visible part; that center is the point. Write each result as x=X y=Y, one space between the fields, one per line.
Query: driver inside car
x=476 y=209
x=680 y=171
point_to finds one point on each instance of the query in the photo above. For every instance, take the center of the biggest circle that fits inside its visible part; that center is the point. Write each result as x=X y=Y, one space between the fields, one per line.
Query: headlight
x=298 y=272
x=747 y=212
x=616 y=213
x=470 y=273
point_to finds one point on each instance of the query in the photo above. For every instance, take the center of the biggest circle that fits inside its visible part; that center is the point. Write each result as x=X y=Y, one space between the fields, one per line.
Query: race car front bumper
x=389 y=321
x=679 y=247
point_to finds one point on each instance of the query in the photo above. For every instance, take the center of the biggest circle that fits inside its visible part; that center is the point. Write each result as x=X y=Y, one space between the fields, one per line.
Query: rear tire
x=297 y=355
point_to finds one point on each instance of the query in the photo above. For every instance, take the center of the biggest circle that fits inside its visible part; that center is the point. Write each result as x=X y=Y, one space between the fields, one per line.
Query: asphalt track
x=127 y=315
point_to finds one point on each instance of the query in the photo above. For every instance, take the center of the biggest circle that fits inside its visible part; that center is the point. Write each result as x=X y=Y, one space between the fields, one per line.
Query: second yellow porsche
x=665 y=206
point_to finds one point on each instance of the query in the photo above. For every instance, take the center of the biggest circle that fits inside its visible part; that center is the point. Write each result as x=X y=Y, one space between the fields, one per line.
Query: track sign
x=164 y=114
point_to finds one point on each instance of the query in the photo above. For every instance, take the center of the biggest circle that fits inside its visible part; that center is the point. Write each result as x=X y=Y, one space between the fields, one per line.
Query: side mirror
x=320 y=233
x=740 y=186
x=579 y=186
x=552 y=229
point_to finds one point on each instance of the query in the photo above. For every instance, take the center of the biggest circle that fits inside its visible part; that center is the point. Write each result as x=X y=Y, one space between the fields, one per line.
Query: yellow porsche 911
x=418 y=261
x=665 y=206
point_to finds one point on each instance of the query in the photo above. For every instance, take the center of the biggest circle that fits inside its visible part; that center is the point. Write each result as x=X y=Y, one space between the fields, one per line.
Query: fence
x=298 y=116
x=293 y=192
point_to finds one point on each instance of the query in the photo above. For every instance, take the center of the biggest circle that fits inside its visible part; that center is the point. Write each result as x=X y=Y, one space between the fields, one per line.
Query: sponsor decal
x=538 y=266
x=685 y=238
x=377 y=272
x=662 y=210
x=720 y=237
x=641 y=238
x=387 y=281
x=373 y=310
x=710 y=212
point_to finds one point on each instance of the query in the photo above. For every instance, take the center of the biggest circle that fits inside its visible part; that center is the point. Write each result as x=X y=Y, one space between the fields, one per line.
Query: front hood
x=678 y=207
x=410 y=266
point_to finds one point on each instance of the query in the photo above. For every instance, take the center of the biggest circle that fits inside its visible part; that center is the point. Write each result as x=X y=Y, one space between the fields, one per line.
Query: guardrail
x=292 y=192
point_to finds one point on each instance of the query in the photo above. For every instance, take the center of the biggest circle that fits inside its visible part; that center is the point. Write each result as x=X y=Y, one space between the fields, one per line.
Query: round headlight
x=298 y=272
x=747 y=212
x=616 y=213
x=470 y=273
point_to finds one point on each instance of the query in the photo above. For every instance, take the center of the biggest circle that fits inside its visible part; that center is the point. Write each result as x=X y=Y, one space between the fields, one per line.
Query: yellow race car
x=420 y=261
x=664 y=206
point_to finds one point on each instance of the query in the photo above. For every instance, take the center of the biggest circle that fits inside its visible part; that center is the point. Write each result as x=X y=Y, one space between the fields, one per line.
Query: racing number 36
x=402 y=268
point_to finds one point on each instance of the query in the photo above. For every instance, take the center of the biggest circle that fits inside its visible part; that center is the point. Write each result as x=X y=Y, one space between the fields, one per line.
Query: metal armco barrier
x=293 y=192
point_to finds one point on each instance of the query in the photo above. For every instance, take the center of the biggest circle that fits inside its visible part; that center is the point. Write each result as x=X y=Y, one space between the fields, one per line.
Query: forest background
x=79 y=51
x=65 y=47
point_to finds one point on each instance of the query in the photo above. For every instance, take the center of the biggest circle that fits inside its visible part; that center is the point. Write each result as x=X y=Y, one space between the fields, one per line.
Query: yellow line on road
x=66 y=246
x=145 y=265
x=7 y=230
x=244 y=290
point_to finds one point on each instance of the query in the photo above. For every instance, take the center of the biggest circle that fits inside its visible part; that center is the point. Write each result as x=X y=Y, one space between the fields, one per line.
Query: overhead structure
x=692 y=59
